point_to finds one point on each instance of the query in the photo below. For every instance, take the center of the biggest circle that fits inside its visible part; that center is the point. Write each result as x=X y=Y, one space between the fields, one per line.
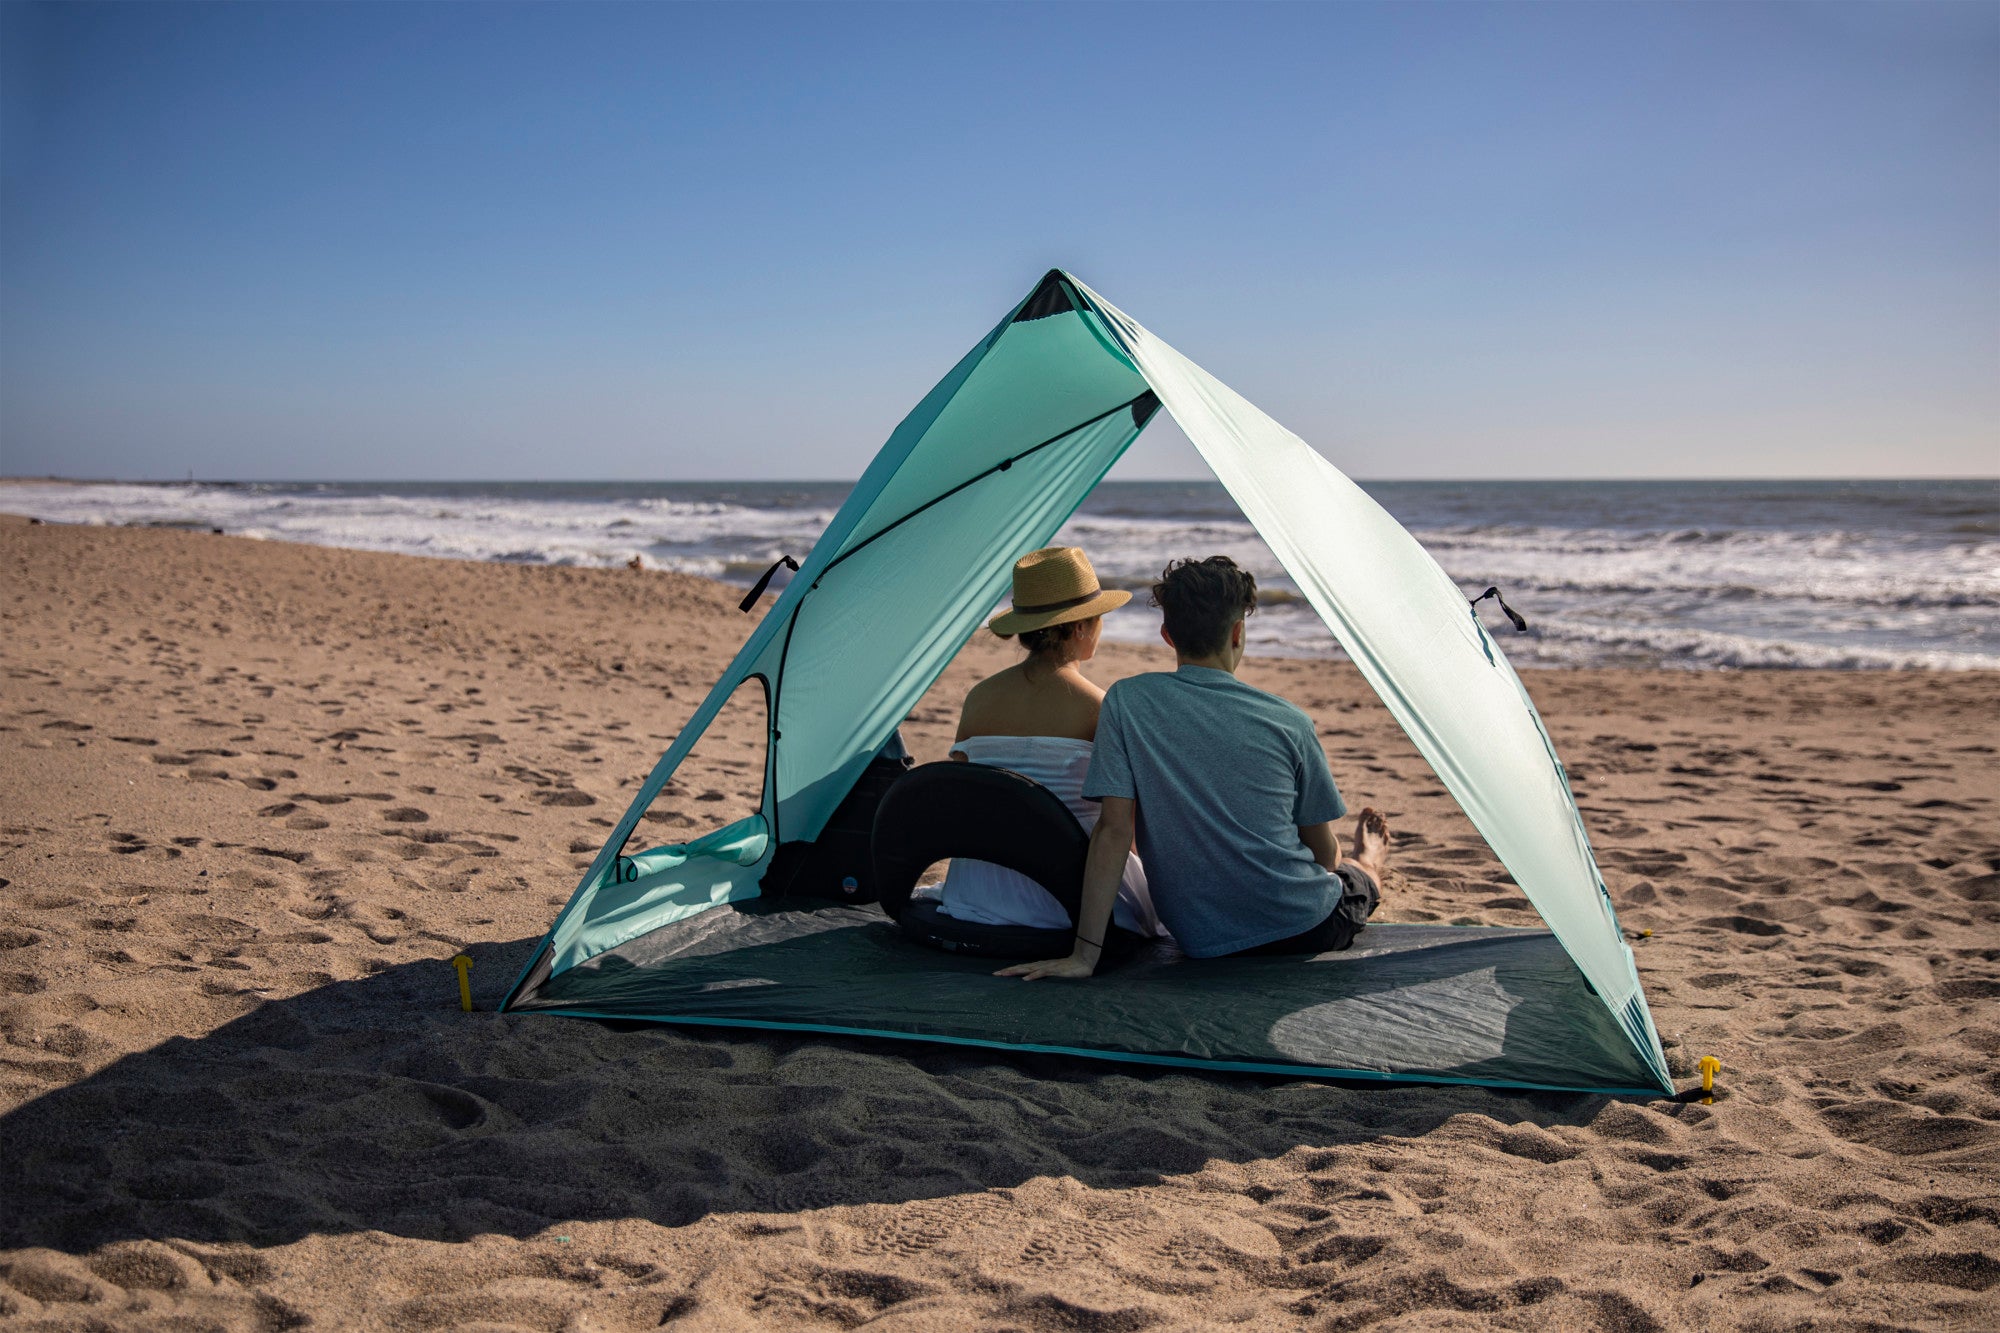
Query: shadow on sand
x=376 y=1104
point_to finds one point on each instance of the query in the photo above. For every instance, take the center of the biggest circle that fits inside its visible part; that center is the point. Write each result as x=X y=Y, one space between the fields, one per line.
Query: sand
x=253 y=797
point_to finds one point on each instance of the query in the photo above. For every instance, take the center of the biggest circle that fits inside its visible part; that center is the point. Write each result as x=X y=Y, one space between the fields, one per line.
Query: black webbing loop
x=765 y=582
x=1512 y=614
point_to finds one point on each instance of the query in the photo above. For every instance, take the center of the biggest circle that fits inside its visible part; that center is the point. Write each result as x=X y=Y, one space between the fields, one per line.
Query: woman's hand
x=1103 y=864
x=1072 y=967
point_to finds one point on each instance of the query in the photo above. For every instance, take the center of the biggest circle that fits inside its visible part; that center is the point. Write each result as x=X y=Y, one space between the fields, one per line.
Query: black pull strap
x=765 y=582
x=1494 y=593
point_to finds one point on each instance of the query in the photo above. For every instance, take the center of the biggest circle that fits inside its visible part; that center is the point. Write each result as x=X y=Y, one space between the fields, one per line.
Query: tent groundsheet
x=987 y=467
x=1433 y=1003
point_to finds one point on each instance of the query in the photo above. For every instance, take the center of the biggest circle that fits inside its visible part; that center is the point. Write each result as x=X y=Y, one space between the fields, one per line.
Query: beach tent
x=986 y=468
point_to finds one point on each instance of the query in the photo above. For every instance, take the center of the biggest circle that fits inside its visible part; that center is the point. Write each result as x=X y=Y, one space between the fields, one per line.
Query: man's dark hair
x=1201 y=599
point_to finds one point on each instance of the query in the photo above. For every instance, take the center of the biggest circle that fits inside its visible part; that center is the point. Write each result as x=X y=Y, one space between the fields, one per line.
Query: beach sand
x=254 y=796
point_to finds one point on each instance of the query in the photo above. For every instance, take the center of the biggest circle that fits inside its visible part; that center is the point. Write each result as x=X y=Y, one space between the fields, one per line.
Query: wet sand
x=254 y=796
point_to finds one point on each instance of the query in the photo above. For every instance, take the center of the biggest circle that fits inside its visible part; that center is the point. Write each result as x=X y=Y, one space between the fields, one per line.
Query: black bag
x=941 y=811
x=838 y=864
x=945 y=810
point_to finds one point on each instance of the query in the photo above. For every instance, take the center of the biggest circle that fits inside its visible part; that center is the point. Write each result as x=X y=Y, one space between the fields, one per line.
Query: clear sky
x=681 y=241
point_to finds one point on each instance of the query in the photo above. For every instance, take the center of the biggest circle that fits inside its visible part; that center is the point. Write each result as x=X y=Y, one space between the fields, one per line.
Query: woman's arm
x=1110 y=843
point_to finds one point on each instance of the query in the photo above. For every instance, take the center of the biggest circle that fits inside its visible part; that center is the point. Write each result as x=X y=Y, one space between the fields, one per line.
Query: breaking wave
x=1701 y=574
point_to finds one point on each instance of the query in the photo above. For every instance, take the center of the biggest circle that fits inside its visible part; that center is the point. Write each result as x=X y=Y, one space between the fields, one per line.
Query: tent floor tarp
x=1415 y=1003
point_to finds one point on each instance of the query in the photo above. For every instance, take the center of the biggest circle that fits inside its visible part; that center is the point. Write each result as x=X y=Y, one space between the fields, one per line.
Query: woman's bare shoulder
x=1075 y=710
x=994 y=687
x=983 y=699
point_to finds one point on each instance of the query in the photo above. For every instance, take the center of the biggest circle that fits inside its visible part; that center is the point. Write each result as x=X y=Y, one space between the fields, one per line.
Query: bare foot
x=1371 y=842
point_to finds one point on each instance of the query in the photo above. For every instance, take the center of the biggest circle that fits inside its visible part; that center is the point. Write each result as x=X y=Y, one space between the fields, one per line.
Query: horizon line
x=52 y=478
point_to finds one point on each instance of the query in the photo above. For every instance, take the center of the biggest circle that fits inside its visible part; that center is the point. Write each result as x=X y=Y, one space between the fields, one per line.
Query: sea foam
x=1699 y=574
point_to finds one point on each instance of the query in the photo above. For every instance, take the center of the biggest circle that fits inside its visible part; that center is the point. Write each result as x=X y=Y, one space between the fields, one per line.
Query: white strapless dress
x=981 y=891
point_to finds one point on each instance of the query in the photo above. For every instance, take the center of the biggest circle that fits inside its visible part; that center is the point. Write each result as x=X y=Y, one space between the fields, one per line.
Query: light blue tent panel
x=1424 y=651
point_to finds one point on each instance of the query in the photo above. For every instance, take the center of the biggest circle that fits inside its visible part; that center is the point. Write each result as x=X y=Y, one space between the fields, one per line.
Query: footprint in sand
x=916 y=1227
x=1743 y=925
x=280 y=853
x=1892 y=1128
x=406 y=814
x=1968 y=1270
x=455 y=1108
x=1349 y=1251
x=1065 y=1244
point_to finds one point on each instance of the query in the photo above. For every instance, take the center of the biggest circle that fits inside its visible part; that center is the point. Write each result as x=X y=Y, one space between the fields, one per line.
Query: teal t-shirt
x=1225 y=775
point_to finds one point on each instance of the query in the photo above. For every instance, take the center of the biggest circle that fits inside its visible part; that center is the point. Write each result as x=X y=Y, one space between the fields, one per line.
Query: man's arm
x=1323 y=843
x=1103 y=868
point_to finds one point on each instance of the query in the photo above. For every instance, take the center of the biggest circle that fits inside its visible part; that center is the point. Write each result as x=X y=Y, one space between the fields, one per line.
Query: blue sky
x=653 y=241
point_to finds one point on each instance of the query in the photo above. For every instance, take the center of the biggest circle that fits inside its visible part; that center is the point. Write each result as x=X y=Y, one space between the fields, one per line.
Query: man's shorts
x=1357 y=903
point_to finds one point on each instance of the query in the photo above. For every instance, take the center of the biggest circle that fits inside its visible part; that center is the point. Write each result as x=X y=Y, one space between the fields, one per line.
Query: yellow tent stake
x=1710 y=1067
x=464 y=966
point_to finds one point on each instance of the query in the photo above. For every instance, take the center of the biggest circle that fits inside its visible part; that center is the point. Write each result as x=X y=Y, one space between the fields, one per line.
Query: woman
x=1038 y=718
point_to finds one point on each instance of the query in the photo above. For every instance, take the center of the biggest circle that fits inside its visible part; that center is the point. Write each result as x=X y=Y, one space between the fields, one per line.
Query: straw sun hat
x=1054 y=586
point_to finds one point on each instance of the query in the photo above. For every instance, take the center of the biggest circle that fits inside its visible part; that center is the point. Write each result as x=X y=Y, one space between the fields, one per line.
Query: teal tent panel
x=1423 y=650
x=990 y=407
x=886 y=622
x=664 y=884
x=1038 y=380
x=559 y=948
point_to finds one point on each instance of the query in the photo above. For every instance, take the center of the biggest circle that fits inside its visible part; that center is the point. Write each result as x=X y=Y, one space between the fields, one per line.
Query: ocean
x=1696 y=574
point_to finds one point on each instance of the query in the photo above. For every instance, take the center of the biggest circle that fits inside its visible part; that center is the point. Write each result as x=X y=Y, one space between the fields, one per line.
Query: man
x=1227 y=791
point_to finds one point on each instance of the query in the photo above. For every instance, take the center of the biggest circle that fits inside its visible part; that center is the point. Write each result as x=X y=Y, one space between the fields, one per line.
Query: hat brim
x=1010 y=623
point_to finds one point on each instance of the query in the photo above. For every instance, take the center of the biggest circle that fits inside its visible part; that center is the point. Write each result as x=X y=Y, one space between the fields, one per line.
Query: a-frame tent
x=987 y=467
